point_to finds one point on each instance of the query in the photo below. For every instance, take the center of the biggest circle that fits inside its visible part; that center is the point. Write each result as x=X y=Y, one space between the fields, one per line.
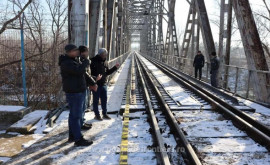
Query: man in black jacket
x=214 y=69
x=84 y=55
x=198 y=64
x=99 y=66
x=75 y=81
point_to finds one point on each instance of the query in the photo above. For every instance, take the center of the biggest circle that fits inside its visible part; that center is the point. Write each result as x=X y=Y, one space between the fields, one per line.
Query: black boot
x=83 y=142
x=70 y=139
x=106 y=117
x=98 y=117
x=86 y=126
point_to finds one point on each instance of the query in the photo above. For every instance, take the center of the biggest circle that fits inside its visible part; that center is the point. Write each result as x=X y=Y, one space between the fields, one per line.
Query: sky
x=181 y=13
x=213 y=10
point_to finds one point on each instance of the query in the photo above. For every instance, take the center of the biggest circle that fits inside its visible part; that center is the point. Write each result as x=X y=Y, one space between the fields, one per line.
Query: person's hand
x=117 y=65
x=99 y=77
x=94 y=88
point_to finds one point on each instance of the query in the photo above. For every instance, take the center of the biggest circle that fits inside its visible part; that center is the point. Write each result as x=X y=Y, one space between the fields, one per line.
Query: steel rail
x=180 y=137
x=255 y=129
x=161 y=150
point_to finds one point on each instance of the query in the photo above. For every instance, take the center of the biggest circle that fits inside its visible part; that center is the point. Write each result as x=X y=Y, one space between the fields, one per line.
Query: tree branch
x=4 y=27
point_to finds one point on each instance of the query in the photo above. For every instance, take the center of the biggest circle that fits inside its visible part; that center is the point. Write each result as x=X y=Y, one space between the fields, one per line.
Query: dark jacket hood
x=63 y=58
x=98 y=58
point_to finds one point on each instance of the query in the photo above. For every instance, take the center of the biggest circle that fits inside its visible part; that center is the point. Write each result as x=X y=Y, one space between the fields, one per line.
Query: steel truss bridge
x=117 y=24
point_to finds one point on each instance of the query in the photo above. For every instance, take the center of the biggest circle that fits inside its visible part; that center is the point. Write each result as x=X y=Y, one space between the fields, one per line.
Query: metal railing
x=119 y=59
x=237 y=80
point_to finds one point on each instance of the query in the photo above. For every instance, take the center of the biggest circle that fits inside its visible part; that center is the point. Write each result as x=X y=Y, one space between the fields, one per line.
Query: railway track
x=218 y=134
x=148 y=139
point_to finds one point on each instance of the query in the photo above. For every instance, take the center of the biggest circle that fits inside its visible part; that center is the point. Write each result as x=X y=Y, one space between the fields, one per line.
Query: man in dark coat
x=214 y=69
x=75 y=81
x=99 y=66
x=198 y=64
x=84 y=55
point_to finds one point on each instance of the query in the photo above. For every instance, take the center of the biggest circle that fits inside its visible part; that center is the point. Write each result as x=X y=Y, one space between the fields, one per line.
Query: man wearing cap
x=75 y=80
x=99 y=66
x=214 y=69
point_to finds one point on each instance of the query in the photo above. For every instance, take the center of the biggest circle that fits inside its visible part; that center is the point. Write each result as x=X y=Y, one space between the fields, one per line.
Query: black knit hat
x=83 y=49
x=213 y=53
x=70 y=47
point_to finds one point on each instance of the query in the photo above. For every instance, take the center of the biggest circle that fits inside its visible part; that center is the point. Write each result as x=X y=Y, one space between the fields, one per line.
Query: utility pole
x=23 y=62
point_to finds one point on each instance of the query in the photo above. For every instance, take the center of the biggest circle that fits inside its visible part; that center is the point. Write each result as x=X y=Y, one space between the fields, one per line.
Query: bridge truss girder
x=124 y=18
x=249 y=34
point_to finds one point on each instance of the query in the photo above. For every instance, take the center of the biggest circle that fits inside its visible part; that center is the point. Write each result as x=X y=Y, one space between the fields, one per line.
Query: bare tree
x=58 y=11
x=262 y=18
x=45 y=36
x=5 y=24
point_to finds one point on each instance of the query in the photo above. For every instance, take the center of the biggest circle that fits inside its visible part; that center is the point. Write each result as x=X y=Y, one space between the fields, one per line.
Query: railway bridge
x=161 y=113
x=150 y=26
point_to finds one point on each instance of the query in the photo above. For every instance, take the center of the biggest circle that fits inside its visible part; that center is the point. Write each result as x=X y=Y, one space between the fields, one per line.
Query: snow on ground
x=30 y=118
x=8 y=108
x=16 y=139
x=106 y=135
x=41 y=126
x=206 y=124
x=257 y=158
x=4 y=159
x=117 y=90
x=227 y=145
x=173 y=88
x=218 y=141
x=139 y=141
x=262 y=113
x=54 y=148
x=169 y=140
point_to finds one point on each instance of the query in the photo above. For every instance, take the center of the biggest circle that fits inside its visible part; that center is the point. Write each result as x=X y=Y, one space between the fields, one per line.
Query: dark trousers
x=87 y=102
x=76 y=103
x=101 y=94
x=87 y=98
x=214 y=81
x=200 y=72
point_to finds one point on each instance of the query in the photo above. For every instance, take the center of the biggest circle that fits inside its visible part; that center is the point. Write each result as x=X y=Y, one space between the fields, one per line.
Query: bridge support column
x=110 y=30
x=171 y=44
x=225 y=33
x=253 y=49
x=94 y=10
x=76 y=23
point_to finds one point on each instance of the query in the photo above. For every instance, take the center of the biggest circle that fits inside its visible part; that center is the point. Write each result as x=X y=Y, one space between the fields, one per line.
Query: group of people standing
x=199 y=62
x=80 y=77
